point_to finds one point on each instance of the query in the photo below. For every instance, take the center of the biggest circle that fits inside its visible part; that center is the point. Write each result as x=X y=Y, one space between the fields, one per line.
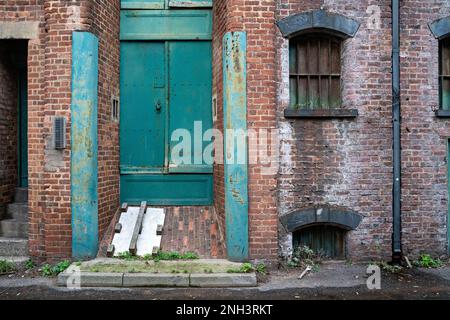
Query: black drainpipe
x=396 y=118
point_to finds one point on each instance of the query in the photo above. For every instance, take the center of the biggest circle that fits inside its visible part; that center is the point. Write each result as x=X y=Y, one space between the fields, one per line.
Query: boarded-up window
x=315 y=72
x=329 y=241
x=444 y=73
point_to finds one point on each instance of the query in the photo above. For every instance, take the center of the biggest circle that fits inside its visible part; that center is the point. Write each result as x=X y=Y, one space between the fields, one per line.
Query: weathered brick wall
x=33 y=10
x=257 y=18
x=343 y=163
x=8 y=126
x=49 y=95
x=106 y=24
x=61 y=18
x=219 y=29
x=348 y=163
x=424 y=137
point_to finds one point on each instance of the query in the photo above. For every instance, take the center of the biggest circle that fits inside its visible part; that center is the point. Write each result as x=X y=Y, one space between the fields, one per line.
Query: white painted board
x=148 y=238
x=121 y=241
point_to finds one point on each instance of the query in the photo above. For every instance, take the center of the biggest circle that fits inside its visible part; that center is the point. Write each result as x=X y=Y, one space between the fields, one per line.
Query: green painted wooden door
x=190 y=99
x=143 y=90
x=165 y=93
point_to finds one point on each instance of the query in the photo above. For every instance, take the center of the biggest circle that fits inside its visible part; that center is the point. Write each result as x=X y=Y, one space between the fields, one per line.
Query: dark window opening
x=315 y=72
x=329 y=241
x=444 y=73
x=115 y=109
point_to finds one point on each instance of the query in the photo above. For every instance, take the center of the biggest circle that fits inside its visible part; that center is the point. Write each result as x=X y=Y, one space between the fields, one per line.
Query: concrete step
x=21 y=195
x=10 y=247
x=17 y=211
x=11 y=228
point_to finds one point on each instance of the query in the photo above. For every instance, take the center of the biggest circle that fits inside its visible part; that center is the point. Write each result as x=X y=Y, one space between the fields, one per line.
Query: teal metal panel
x=142 y=4
x=235 y=118
x=190 y=95
x=166 y=25
x=143 y=106
x=190 y=3
x=84 y=145
x=178 y=189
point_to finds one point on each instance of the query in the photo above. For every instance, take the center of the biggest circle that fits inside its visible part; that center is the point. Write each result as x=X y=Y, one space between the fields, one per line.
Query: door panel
x=165 y=86
x=143 y=107
x=190 y=73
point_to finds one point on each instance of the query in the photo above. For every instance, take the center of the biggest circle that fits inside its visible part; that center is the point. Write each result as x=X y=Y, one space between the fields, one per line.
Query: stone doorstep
x=130 y=280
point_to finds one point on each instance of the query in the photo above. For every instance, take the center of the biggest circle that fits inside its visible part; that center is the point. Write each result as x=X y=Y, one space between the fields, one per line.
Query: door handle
x=158 y=106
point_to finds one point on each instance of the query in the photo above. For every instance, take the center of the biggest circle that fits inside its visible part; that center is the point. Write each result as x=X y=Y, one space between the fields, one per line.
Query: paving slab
x=107 y=272
x=90 y=279
x=223 y=280
x=443 y=272
x=155 y=280
x=329 y=275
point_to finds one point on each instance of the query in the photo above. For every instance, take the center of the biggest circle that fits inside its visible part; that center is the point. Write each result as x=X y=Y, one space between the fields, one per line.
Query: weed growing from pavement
x=391 y=268
x=248 y=268
x=161 y=255
x=53 y=270
x=304 y=256
x=29 y=264
x=426 y=261
x=7 y=267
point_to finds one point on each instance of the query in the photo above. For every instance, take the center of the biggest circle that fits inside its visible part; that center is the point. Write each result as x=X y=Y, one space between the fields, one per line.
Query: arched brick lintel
x=318 y=20
x=440 y=27
x=342 y=218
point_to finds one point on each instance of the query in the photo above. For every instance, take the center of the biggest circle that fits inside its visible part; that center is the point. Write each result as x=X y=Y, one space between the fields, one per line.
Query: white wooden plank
x=121 y=241
x=148 y=238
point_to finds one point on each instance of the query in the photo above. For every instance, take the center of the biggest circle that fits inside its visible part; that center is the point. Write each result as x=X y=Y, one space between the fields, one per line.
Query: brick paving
x=192 y=229
x=186 y=229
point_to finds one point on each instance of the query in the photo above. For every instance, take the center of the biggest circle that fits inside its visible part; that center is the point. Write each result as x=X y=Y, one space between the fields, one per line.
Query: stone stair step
x=18 y=211
x=21 y=195
x=11 y=247
x=11 y=228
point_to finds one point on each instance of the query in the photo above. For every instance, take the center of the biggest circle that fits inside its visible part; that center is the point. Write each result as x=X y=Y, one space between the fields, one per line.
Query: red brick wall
x=106 y=24
x=258 y=22
x=8 y=125
x=343 y=163
x=61 y=18
x=49 y=95
x=33 y=10
x=348 y=163
x=424 y=137
x=219 y=29
x=257 y=18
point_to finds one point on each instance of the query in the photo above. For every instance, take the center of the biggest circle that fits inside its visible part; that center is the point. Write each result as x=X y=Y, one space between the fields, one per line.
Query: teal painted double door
x=165 y=111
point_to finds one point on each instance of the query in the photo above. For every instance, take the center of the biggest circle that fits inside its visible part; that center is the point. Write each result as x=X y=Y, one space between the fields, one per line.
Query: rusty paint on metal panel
x=235 y=118
x=84 y=145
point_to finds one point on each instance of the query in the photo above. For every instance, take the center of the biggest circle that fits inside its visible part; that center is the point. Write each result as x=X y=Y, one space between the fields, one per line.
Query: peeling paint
x=236 y=173
x=84 y=145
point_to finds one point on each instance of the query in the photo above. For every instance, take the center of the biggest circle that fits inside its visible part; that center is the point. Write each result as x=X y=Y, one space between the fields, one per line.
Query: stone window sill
x=320 y=113
x=443 y=113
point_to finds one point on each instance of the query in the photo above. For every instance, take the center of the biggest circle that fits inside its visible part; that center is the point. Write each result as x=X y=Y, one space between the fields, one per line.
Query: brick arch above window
x=318 y=21
x=339 y=217
x=440 y=27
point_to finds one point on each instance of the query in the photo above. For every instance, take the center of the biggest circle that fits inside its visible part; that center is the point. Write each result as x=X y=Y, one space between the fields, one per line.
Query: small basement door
x=165 y=99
